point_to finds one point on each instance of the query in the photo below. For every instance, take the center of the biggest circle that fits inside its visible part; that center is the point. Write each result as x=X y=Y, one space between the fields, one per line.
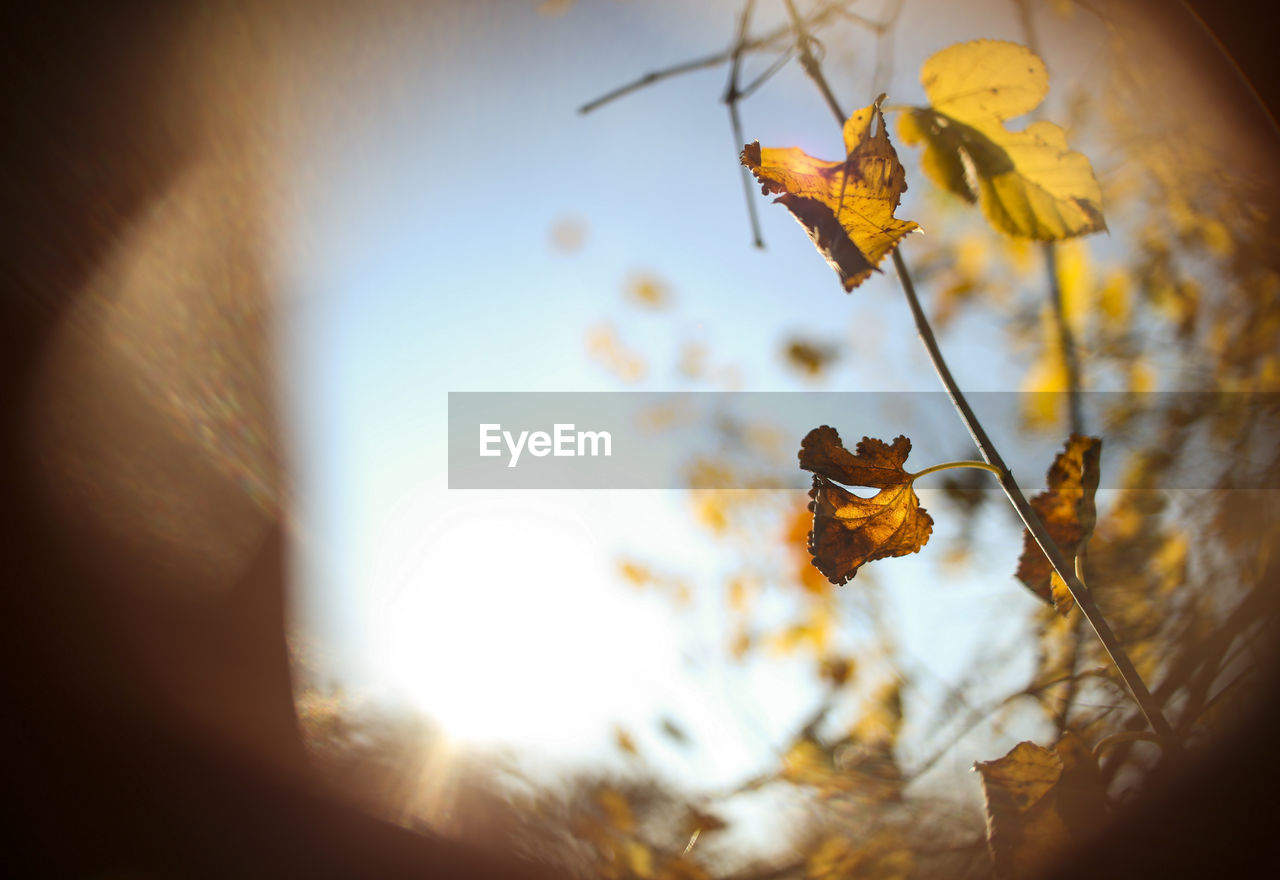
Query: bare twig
x=778 y=63
x=731 y=98
x=809 y=61
x=776 y=38
x=1066 y=338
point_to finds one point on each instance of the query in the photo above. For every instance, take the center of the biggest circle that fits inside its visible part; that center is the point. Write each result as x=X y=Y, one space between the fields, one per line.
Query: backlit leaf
x=1030 y=183
x=845 y=207
x=1068 y=512
x=849 y=531
x=1039 y=802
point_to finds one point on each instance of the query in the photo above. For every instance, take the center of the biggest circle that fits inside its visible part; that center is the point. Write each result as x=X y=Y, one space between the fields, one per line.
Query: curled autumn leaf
x=1039 y=802
x=1068 y=512
x=845 y=207
x=1030 y=183
x=849 y=531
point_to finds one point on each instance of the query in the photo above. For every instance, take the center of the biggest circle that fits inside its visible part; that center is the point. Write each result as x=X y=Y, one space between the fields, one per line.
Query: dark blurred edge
x=1218 y=817
x=96 y=782
x=101 y=777
x=1246 y=31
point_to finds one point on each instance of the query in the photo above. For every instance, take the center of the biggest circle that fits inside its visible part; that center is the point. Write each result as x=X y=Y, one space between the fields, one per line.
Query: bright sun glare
x=508 y=626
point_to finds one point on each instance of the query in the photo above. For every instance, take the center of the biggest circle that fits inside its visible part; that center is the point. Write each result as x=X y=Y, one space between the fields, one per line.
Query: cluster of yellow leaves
x=1068 y=512
x=849 y=531
x=845 y=207
x=1039 y=803
x=1030 y=183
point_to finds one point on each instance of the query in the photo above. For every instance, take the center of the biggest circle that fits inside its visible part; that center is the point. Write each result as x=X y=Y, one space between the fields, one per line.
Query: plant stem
x=1066 y=340
x=1083 y=598
x=948 y=465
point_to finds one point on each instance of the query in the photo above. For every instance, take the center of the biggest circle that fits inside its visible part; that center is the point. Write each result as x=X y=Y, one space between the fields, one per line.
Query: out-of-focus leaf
x=849 y=531
x=836 y=670
x=845 y=207
x=647 y=291
x=1067 y=510
x=568 y=234
x=809 y=357
x=606 y=347
x=1030 y=183
x=673 y=731
x=1039 y=802
x=625 y=742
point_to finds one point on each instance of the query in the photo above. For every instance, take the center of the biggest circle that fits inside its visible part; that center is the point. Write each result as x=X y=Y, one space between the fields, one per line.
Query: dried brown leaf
x=1067 y=510
x=1040 y=801
x=849 y=531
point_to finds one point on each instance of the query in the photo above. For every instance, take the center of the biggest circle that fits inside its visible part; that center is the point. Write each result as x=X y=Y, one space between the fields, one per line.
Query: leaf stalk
x=951 y=465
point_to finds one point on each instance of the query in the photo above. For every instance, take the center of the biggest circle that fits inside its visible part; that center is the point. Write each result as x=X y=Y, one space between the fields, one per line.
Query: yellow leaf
x=639 y=859
x=849 y=531
x=845 y=207
x=634 y=573
x=1039 y=802
x=648 y=291
x=1076 y=282
x=1067 y=510
x=1030 y=183
x=624 y=741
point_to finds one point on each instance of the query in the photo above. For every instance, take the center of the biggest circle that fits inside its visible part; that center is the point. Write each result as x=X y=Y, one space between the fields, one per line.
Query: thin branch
x=771 y=40
x=778 y=63
x=812 y=66
x=1083 y=598
x=654 y=76
x=883 y=70
x=1066 y=338
x=731 y=98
